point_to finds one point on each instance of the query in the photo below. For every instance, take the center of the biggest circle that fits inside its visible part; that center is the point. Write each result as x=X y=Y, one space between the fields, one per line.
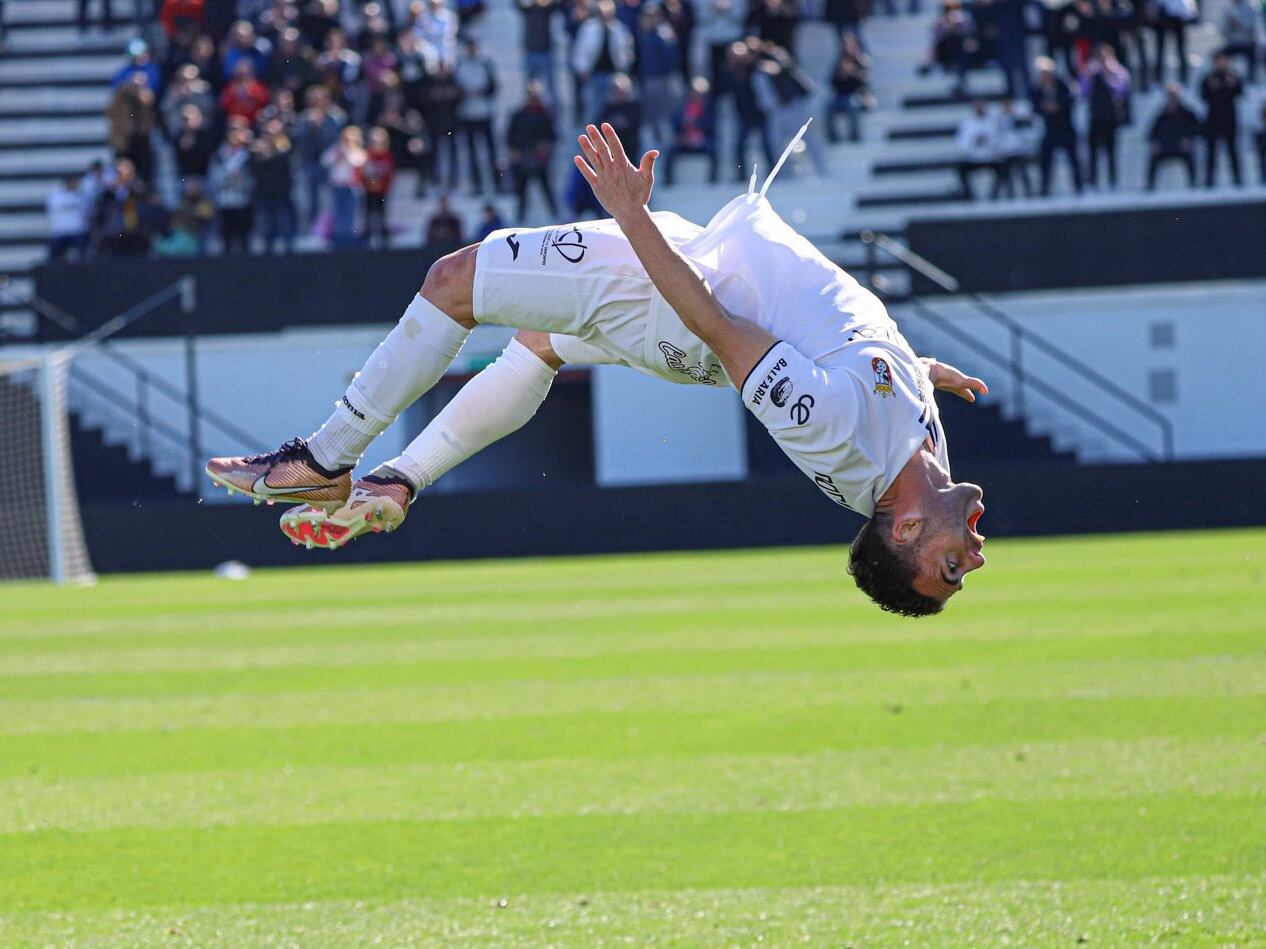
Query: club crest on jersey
x=883 y=377
x=569 y=243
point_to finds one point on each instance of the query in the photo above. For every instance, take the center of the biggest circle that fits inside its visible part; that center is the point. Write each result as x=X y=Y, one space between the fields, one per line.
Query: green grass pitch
x=689 y=749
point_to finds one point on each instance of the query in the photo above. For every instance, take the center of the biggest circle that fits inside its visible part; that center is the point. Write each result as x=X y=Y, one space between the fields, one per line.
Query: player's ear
x=906 y=530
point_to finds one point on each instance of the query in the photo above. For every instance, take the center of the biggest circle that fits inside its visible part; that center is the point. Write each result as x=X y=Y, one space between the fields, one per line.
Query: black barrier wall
x=1099 y=249
x=573 y=519
x=240 y=294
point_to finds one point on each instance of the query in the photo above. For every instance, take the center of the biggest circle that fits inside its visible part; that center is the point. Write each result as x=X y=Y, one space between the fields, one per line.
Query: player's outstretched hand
x=622 y=188
x=948 y=379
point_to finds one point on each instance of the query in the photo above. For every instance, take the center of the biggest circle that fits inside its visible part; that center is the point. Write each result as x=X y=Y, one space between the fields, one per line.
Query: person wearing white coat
x=604 y=48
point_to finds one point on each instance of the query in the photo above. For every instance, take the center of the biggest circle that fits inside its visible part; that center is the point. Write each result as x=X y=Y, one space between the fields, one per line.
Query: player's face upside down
x=929 y=522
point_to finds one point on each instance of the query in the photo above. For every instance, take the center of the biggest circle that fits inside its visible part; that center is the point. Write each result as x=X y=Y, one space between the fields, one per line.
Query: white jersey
x=842 y=393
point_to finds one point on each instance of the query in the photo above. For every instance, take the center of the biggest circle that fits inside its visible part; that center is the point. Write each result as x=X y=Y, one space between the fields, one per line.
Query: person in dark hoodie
x=1053 y=101
x=531 y=141
x=1220 y=90
x=1173 y=136
x=272 y=165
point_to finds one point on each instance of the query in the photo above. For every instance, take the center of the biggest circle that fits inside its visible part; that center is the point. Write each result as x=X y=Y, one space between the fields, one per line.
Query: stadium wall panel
x=239 y=294
x=1095 y=248
x=576 y=519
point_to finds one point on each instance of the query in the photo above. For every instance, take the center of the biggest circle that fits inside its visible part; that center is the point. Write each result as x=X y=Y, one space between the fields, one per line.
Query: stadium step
x=20 y=13
x=83 y=67
x=56 y=130
x=982 y=434
x=897 y=199
x=19 y=259
x=936 y=101
x=63 y=42
x=42 y=162
x=31 y=206
x=90 y=98
x=107 y=472
x=73 y=82
x=921 y=132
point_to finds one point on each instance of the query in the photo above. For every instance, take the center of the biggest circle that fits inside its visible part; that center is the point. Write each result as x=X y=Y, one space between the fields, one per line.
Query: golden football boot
x=378 y=502
x=288 y=474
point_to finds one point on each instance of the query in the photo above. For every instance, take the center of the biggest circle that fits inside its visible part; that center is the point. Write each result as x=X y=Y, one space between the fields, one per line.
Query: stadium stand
x=55 y=88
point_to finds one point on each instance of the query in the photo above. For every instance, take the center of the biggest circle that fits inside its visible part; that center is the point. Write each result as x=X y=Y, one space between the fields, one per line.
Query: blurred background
x=221 y=205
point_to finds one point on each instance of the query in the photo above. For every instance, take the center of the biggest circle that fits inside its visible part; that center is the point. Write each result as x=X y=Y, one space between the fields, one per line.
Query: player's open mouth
x=975 y=519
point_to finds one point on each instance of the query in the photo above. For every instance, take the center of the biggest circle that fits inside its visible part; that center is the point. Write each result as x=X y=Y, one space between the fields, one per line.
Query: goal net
x=39 y=510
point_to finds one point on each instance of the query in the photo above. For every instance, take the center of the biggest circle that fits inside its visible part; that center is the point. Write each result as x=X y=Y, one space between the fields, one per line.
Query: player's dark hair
x=885 y=575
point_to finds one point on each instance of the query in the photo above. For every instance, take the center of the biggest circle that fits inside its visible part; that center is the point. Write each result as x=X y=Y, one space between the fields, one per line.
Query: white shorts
x=582 y=283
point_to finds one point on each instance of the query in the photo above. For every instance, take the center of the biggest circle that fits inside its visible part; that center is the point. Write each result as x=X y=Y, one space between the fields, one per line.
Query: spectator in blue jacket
x=659 y=56
x=242 y=43
x=139 y=61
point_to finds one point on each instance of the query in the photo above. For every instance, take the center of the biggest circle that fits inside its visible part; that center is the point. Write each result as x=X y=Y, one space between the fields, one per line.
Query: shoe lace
x=296 y=446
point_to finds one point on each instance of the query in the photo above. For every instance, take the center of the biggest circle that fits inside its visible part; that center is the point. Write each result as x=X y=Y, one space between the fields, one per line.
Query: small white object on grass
x=232 y=570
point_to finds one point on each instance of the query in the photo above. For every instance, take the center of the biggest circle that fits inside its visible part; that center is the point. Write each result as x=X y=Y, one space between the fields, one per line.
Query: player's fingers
x=590 y=151
x=599 y=144
x=647 y=167
x=978 y=385
x=612 y=139
x=588 y=173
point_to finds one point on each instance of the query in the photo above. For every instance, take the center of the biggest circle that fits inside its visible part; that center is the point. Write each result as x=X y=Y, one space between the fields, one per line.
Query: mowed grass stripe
x=1184 y=911
x=456 y=599
x=299 y=669
x=706 y=783
x=501 y=621
x=1125 y=838
x=967 y=684
x=703 y=640
x=613 y=735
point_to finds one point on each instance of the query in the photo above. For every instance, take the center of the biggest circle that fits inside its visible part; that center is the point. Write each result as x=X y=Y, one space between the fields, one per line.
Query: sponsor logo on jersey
x=803 y=409
x=569 y=243
x=353 y=409
x=830 y=489
x=676 y=361
x=512 y=240
x=759 y=393
x=883 y=377
x=781 y=391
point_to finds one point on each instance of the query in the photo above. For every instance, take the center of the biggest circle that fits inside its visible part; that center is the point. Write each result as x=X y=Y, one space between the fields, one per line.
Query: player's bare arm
x=624 y=191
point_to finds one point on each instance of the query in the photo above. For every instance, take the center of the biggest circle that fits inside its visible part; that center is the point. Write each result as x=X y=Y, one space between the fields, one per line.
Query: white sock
x=409 y=361
x=498 y=401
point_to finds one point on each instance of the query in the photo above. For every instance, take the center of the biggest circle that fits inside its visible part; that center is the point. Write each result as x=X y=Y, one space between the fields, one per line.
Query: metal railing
x=1020 y=337
x=145 y=383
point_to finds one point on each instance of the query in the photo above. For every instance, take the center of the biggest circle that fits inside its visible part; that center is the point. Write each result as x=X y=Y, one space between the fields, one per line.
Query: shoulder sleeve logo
x=883 y=377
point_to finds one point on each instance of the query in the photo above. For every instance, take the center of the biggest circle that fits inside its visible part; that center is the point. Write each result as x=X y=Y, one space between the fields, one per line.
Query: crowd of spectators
x=1100 y=55
x=248 y=124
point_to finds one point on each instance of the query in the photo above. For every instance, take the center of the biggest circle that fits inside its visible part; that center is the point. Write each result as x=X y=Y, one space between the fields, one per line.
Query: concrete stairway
x=54 y=85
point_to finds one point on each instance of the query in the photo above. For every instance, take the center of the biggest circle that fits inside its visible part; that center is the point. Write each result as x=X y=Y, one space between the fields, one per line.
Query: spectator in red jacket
x=245 y=96
x=174 y=13
x=376 y=175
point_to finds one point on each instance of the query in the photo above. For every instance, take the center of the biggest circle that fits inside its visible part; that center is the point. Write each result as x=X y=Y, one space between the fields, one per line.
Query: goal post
x=39 y=506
